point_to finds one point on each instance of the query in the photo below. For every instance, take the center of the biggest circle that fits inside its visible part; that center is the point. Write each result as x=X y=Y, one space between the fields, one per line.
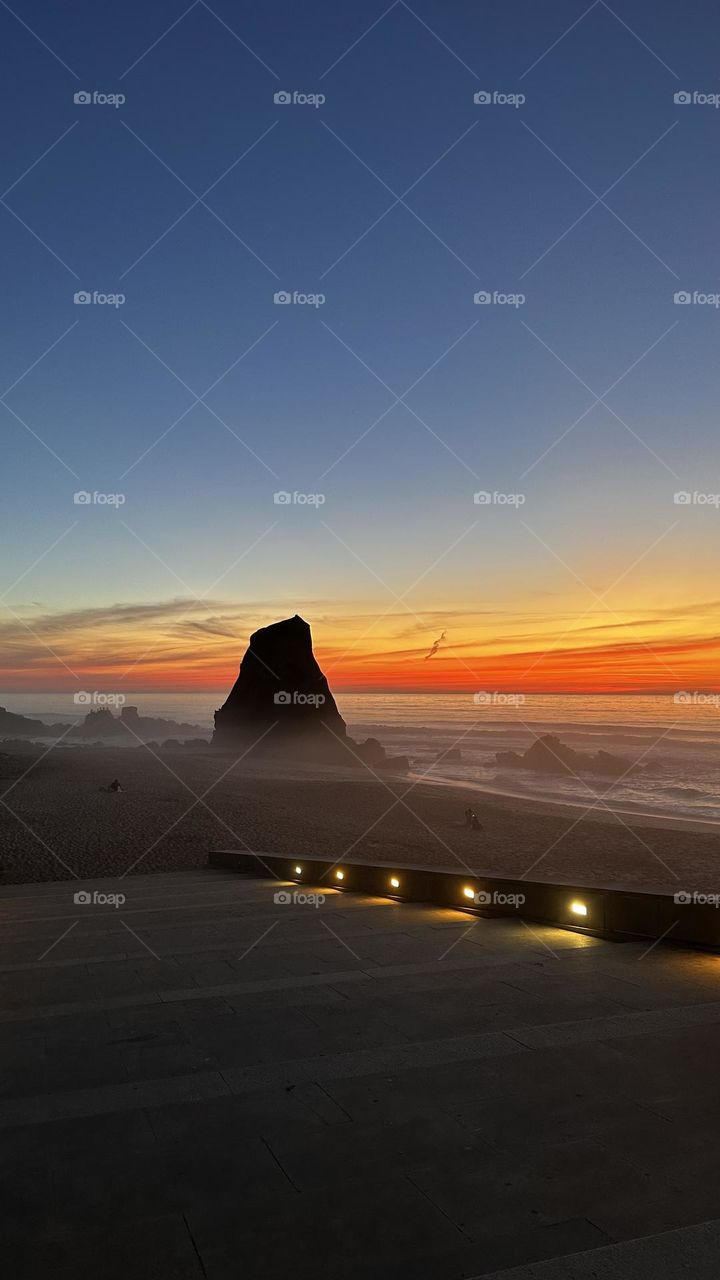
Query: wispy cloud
x=189 y=643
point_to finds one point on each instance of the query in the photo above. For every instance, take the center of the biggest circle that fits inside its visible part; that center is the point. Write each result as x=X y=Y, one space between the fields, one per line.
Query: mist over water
x=679 y=742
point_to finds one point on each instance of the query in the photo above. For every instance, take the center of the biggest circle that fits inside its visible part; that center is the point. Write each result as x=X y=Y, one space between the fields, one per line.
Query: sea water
x=678 y=743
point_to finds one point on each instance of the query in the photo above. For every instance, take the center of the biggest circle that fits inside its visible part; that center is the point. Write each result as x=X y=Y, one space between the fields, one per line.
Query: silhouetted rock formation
x=143 y=726
x=549 y=755
x=394 y=764
x=17 y=744
x=372 y=751
x=282 y=693
x=129 y=726
x=23 y=726
x=98 y=723
x=281 y=703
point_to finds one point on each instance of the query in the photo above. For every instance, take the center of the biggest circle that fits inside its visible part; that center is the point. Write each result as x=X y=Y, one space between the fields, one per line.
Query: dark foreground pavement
x=203 y=1082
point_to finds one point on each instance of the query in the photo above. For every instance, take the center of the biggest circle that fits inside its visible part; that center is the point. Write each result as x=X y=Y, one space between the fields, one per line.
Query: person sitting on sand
x=114 y=786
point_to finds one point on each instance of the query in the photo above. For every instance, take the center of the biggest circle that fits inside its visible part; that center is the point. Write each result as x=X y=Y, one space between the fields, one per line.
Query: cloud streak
x=183 y=644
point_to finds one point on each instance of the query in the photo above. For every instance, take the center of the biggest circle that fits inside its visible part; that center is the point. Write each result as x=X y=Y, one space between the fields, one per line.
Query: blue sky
x=498 y=186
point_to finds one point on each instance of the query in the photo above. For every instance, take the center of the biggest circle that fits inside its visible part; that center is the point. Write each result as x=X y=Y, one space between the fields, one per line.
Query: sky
x=147 y=432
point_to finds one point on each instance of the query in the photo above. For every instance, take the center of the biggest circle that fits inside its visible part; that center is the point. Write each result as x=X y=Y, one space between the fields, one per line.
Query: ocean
x=678 y=742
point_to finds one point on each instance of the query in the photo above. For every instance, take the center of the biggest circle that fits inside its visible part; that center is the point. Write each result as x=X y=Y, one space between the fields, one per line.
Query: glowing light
x=469 y=893
x=339 y=875
x=298 y=871
x=578 y=908
x=394 y=882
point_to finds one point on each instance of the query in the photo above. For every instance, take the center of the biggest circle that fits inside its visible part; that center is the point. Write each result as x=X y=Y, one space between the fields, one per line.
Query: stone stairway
x=200 y=1081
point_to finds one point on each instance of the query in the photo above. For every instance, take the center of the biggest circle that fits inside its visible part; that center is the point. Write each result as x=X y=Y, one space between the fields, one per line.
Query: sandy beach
x=56 y=822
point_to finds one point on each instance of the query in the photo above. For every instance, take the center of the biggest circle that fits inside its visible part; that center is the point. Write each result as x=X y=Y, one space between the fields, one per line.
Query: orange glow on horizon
x=620 y=668
x=369 y=652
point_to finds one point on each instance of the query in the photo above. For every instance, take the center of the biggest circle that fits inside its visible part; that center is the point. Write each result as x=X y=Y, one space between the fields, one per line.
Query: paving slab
x=690 y=1254
x=208 y=1083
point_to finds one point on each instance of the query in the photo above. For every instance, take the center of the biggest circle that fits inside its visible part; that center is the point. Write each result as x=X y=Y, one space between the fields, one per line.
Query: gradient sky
x=598 y=581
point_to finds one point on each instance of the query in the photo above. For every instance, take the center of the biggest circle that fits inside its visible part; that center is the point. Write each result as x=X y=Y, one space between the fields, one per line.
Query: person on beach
x=475 y=824
x=114 y=786
x=468 y=817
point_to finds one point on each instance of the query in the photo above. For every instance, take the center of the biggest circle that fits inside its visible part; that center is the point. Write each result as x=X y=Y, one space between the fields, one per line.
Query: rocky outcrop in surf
x=549 y=755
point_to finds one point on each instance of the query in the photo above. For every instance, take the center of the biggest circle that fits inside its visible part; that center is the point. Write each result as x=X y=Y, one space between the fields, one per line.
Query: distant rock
x=17 y=744
x=142 y=726
x=99 y=723
x=549 y=755
x=281 y=704
x=394 y=764
x=23 y=726
x=129 y=726
x=371 y=751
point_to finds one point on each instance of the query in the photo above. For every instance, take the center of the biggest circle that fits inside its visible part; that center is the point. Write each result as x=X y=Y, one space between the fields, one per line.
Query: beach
x=57 y=822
